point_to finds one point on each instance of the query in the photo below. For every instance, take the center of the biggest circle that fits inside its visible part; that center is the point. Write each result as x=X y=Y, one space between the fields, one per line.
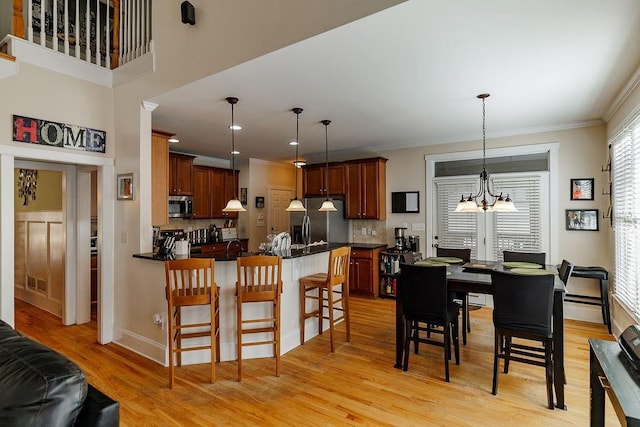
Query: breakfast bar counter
x=296 y=263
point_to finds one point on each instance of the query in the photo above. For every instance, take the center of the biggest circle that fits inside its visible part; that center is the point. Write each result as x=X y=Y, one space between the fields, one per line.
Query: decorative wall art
x=582 y=219
x=125 y=186
x=582 y=189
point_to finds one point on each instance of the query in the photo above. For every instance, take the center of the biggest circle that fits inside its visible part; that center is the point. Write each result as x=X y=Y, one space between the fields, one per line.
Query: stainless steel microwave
x=180 y=206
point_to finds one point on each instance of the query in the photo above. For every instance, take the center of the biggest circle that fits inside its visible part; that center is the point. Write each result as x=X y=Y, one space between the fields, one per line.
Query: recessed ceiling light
x=174 y=139
x=235 y=152
x=293 y=143
x=300 y=163
x=235 y=127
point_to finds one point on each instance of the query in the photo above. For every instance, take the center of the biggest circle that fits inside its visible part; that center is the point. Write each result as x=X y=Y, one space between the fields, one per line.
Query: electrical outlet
x=373 y=232
x=364 y=231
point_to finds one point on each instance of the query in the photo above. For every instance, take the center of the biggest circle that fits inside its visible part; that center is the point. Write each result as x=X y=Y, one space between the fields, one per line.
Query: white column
x=7 y=237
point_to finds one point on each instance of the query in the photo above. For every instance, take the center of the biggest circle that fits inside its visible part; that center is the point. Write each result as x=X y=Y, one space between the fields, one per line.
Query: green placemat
x=520 y=264
x=533 y=272
x=447 y=259
x=430 y=263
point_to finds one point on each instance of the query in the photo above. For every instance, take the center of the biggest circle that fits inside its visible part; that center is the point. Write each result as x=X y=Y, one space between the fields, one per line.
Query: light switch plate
x=419 y=226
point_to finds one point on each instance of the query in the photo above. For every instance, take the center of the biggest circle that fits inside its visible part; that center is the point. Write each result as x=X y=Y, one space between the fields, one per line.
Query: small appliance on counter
x=180 y=206
x=401 y=241
x=229 y=234
x=414 y=243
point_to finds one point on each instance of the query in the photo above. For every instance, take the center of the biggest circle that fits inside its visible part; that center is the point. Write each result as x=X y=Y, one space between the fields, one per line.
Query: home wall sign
x=55 y=134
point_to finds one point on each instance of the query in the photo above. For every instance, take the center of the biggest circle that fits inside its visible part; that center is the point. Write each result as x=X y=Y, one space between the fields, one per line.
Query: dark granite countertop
x=293 y=253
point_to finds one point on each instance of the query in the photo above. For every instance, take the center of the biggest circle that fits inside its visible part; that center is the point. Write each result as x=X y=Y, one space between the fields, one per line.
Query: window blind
x=456 y=229
x=518 y=231
x=625 y=175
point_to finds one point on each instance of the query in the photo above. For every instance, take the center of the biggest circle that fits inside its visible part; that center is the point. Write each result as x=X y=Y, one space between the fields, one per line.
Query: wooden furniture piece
x=219 y=249
x=479 y=281
x=159 y=178
x=259 y=282
x=533 y=257
x=362 y=182
x=314 y=180
x=364 y=279
x=610 y=371
x=564 y=271
x=212 y=189
x=465 y=256
x=426 y=300
x=331 y=291
x=602 y=276
x=522 y=307
x=189 y=282
x=366 y=189
x=180 y=174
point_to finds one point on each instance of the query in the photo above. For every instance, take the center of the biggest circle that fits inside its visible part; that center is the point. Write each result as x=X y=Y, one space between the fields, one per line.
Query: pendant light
x=327 y=205
x=479 y=202
x=234 y=204
x=296 y=205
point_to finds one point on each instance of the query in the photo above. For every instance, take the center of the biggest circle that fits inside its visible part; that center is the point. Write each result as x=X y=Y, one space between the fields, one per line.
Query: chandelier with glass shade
x=233 y=205
x=479 y=202
x=296 y=204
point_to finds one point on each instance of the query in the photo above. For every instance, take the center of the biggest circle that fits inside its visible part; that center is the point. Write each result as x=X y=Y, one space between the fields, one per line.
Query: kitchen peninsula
x=296 y=263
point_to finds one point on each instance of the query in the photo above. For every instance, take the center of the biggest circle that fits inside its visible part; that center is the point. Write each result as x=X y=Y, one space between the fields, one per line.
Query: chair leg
x=497 y=345
x=303 y=311
x=330 y=305
x=456 y=341
x=320 y=309
x=507 y=353
x=447 y=350
x=170 y=328
x=239 y=335
x=218 y=327
x=179 y=335
x=549 y=371
x=213 y=341
x=465 y=318
x=416 y=342
x=276 y=335
x=345 y=310
x=407 y=341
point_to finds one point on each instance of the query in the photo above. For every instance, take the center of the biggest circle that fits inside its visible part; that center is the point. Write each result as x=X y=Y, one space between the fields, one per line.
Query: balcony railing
x=108 y=33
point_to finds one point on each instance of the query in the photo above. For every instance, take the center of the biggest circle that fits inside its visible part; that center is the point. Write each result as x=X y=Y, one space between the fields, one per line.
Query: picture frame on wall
x=259 y=202
x=243 y=196
x=581 y=219
x=582 y=188
x=125 y=186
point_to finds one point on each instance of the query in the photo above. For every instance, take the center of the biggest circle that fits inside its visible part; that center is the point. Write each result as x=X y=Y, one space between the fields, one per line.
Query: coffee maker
x=414 y=243
x=401 y=241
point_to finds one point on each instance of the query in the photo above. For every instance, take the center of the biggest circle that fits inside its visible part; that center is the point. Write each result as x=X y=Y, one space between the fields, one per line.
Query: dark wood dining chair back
x=564 y=272
x=425 y=299
x=190 y=282
x=523 y=307
x=533 y=257
x=463 y=254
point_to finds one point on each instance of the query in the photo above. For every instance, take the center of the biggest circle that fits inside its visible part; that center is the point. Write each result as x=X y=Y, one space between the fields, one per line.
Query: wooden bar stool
x=259 y=282
x=190 y=282
x=331 y=290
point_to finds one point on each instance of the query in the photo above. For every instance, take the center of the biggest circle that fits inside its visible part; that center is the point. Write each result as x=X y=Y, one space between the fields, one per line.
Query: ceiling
x=409 y=75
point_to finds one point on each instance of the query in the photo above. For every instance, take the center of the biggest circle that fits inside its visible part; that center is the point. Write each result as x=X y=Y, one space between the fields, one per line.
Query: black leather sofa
x=40 y=387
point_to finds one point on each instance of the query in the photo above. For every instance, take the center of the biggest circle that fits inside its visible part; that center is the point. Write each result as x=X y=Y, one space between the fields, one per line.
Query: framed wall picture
x=125 y=186
x=243 y=196
x=582 y=219
x=582 y=189
x=259 y=202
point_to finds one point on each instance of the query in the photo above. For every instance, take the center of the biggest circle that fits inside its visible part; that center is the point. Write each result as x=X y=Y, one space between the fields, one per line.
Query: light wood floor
x=357 y=385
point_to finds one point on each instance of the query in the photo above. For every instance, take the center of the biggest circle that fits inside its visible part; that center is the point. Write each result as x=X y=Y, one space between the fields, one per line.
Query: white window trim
x=552 y=148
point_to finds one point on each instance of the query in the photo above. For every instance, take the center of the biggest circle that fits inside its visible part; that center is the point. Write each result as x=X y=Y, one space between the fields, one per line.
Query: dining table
x=475 y=276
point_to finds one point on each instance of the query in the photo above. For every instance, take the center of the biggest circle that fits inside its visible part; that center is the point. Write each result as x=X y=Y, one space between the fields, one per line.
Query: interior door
x=278 y=217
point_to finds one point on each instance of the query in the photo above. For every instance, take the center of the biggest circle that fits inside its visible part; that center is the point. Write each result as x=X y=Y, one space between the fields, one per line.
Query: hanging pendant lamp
x=234 y=204
x=296 y=205
x=327 y=205
x=479 y=202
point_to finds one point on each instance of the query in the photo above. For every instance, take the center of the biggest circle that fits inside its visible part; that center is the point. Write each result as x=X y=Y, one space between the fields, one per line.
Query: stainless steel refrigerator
x=329 y=227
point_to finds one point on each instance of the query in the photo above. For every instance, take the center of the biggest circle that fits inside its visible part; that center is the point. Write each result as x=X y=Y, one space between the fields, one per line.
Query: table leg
x=596 y=393
x=558 y=348
x=400 y=330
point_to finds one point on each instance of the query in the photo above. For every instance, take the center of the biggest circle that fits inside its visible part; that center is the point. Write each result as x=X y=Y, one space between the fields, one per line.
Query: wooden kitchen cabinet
x=180 y=174
x=212 y=189
x=314 y=180
x=366 y=189
x=201 y=192
x=363 y=272
x=159 y=178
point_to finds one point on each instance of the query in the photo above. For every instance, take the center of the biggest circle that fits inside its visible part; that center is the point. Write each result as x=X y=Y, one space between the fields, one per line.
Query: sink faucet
x=237 y=242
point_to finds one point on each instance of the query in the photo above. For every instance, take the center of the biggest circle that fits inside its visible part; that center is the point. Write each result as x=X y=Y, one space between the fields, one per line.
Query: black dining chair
x=533 y=257
x=463 y=297
x=523 y=308
x=428 y=306
x=564 y=271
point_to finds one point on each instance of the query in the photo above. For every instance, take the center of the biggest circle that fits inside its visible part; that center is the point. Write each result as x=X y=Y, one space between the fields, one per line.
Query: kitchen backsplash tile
x=376 y=231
